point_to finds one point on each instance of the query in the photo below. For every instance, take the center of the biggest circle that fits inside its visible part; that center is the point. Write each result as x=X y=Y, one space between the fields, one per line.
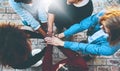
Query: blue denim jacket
x=100 y=46
x=31 y=15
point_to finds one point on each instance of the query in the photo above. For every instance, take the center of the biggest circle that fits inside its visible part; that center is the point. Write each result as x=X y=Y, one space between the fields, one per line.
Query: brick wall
x=101 y=63
x=7 y=14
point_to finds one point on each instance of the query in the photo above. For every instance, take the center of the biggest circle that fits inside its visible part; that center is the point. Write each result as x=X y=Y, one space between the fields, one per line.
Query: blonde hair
x=111 y=20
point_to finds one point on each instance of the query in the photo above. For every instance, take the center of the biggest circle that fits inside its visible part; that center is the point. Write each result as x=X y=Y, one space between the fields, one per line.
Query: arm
x=51 y=16
x=50 y=23
x=90 y=48
x=104 y=49
x=41 y=31
x=78 y=27
x=42 y=14
x=83 y=25
x=24 y=15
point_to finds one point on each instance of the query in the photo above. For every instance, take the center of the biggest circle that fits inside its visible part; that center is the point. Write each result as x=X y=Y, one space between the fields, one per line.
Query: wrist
x=50 y=30
x=62 y=34
x=62 y=43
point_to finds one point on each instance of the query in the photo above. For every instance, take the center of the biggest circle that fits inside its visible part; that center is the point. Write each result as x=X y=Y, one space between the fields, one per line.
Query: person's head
x=111 y=24
x=23 y=1
x=14 y=45
x=73 y=1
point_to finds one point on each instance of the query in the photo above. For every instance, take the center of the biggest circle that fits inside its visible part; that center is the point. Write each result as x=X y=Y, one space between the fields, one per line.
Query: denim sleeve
x=90 y=48
x=42 y=14
x=25 y=15
x=84 y=24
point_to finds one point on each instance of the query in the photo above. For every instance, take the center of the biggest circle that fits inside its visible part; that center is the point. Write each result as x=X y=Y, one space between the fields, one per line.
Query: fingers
x=48 y=39
x=52 y=40
x=57 y=35
x=50 y=34
x=61 y=35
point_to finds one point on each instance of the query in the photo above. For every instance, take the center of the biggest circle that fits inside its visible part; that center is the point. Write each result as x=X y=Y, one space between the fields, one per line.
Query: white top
x=80 y=4
x=97 y=35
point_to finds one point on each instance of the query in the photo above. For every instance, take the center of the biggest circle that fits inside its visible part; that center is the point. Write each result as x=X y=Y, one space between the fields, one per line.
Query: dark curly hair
x=23 y=1
x=14 y=45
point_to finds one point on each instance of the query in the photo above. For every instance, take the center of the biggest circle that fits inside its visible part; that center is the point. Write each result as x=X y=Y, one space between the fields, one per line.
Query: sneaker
x=35 y=51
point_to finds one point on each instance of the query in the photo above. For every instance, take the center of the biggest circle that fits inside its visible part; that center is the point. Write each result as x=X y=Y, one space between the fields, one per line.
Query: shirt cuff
x=66 y=44
x=44 y=21
x=37 y=27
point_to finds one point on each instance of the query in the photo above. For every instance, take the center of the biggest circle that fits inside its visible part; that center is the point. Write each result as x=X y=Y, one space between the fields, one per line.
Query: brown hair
x=14 y=45
x=111 y=20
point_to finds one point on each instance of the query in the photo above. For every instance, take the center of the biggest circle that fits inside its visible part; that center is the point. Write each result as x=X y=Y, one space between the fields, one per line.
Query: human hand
x=54 y=41
x=50 y=34
x=60 y=66
x=61 y=35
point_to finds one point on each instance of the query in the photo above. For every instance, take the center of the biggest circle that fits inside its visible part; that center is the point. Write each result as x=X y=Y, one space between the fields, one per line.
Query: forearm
x=25 y=15
x=41 y=31
x=84 y=24
x=42 y=15
x=50 y=22
x=90 y=48
x=61 y=43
